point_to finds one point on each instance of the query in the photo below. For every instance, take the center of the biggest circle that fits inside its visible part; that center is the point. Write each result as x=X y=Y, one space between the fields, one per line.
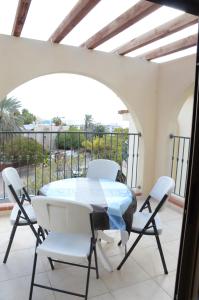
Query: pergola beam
x=21 y=14
x=162 y=31
x=128 y=18
x=171 y=48
x=79 y=11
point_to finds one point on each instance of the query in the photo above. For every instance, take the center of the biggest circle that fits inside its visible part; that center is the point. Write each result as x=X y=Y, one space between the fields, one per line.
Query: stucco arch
x=132 y=80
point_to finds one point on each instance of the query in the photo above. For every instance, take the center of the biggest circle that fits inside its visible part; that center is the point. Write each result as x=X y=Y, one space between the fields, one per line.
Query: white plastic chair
x=22 y=213
x=103 y=168
x=71 y=235
x=148 y=222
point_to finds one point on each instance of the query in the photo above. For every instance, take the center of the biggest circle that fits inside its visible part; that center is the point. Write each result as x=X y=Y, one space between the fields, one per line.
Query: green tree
x=57 y=121
x=23 y=150
x=71 y=139
x=99 y=130
x=28 y=118
x=10 y=118
x=88 y=122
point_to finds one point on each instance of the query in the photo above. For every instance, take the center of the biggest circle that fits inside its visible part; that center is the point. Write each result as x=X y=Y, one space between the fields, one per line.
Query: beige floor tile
x=19 y=289
x=167 y=282
x=74 y=279
x=19 y=264
x=23 y=239
x=149 y=259
x=130 y=273
x=103 y=297
x=172 y=247
x=142 y=291
x=5 y=225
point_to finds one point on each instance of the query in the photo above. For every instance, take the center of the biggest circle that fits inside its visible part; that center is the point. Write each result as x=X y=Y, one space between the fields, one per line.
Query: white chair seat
x=60 y=246
x=140 y=219
x=29 y=210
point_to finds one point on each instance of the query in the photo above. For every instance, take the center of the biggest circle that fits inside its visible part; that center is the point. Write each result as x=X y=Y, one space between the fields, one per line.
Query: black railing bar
x=177 y=159
x=56 y=132
x=133 y=160
x=104 y=150
x=71 y=157
x=64 y=155
x=173 y=157
x=27 y=156
x=111 y=146
x=78 y=152
x=137 y=162
x=85 y=150
x=127 y=166
x=171 y=136
x=35 y=166
x=116 y=155
x=182 y=164
x=50 y=157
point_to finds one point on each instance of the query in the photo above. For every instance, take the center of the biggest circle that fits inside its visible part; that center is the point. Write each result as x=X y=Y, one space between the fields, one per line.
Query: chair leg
x=14 y=228
x=33 y=276
x=96 y=263
x=161 y=254
x=49 y=259
x=119 y=243
x=88 y=276
x=129 y=251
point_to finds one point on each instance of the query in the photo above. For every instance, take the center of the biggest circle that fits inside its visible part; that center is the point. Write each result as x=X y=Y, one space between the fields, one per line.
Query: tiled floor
x=141 y=278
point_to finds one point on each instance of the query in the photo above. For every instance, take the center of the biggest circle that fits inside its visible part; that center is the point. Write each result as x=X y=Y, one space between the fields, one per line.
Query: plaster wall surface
x=153 y=94
x=133 y=80
x=175 y=85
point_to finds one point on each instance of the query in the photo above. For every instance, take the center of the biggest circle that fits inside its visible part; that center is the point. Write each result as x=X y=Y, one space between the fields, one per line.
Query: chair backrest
x=103 y=168
x=163 y=186
x=63 y=216
x=11 y=177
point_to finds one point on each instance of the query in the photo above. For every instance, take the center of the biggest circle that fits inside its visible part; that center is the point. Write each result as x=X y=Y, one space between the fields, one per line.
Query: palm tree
x=88 y=122
x=10 y=118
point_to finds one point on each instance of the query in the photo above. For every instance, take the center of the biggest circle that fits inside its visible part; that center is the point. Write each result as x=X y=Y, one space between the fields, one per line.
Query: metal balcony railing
x=42 y=157
x=179 y=163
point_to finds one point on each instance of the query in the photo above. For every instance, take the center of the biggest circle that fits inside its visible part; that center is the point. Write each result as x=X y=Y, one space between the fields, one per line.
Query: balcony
x=42 y=157
x=141 y=277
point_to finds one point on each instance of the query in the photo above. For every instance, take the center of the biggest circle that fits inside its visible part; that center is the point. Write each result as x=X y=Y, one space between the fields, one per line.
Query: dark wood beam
x=79 y=11
x=21 y=14
x=189 y=6
x=172 y=48
x=128 y=18
x=162 y=31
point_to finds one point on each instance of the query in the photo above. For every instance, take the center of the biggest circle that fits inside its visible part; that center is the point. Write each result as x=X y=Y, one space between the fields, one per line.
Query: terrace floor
x=142 y=276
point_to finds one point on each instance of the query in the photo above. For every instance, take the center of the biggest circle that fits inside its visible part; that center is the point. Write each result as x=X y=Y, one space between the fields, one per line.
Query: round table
x=113 y=205
x=113 y=202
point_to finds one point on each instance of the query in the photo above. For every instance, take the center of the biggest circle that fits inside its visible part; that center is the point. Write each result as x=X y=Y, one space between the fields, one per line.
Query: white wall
x=175 y=84
x=185 y=118
x=152 y=93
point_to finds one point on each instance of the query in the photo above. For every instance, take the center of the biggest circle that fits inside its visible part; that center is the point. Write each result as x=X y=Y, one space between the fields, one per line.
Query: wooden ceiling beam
x=128 y=18
x=182 y=44
x=79 y=11
x=157 y=33
x=21 y=14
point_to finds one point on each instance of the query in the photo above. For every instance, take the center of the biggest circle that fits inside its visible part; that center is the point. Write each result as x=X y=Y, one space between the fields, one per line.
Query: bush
x=22 y=150
x=71 y=139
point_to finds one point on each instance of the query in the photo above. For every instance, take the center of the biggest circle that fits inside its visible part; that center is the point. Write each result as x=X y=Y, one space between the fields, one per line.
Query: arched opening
x=181 y=146
x=70 y=97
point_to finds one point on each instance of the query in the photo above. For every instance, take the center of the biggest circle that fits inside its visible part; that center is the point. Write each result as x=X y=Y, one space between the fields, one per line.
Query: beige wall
x=175 y=84
x=152 y=93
